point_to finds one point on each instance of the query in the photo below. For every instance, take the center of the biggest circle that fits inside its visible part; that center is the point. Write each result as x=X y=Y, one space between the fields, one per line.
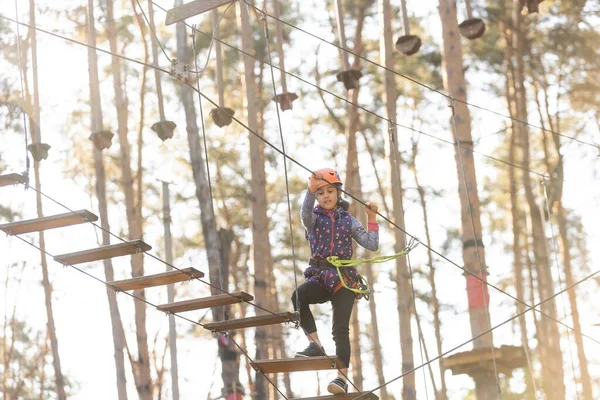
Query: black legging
x=342 y=303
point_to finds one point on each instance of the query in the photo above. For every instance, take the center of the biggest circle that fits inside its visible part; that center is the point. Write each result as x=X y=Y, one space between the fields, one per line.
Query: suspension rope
x=448 y=96
x=394 y=150
x=210 y=189
x=150 y=23
x=308 y=170
x=285 y=168
x=491 y=329
x=21 y=67
x=544 y=184
x=475 y=238
x=142 y=299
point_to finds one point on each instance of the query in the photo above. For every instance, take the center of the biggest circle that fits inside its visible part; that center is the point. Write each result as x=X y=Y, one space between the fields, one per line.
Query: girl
x=329 y=228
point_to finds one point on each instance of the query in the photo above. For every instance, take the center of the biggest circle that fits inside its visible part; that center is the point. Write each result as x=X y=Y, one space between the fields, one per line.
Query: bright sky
x=80 y=307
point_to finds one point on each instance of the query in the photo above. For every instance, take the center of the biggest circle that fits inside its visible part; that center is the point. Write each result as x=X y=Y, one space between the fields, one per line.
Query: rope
x=448 y=96
x=363 y=108
x=19 y=56
x=479 y=261
x=529 y=308
x=305 y=168
x=560 y=283
x=151 y=25
x=210 y=189
x=154 y=306
x=287 y=186
x=413 y=243
x=394 y=151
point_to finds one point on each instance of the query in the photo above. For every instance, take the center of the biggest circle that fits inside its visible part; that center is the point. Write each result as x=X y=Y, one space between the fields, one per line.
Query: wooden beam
x=297 y=364
x=50 y=222
x=251 y=322
x=191 y=9
x=206 y=302
x=347 y=396
x=103 y=252
x=11 y=179
x=164 y=278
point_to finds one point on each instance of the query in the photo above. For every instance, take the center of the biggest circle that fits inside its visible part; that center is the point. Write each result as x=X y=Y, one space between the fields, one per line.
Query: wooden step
x=347 y=396
x=192 y=8
x=250 y=322
x=12 y=179
x=206 y=302
x=51 y=222
x=103 y=252
x=165 y=278
x=297 y=364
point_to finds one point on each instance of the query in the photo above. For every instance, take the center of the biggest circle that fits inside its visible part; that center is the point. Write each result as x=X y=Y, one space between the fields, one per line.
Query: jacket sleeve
x=306 y=213
x=367 y=239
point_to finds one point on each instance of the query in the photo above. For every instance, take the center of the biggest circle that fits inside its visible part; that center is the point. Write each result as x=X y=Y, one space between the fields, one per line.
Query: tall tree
x=36 y=136
x=403 y=292
x=133 y=211
x=549 y=338
x=471 y=234
x=218 y=278
x=260 y=224
x=119 y=341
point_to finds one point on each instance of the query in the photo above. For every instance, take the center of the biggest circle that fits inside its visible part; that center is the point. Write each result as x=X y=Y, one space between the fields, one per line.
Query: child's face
x=327 y=196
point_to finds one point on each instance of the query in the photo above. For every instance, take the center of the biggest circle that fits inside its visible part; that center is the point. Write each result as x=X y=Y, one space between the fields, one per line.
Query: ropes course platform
x=46 y=223
x=206 y=302
x=297 y=364
x=103 y=252
x=12 y=179
x=347 y=396
x=251 y=322
x=471 y=362
x=165 y=278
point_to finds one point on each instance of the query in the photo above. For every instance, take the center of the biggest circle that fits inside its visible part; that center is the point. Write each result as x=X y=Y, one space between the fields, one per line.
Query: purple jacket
x=329 y=233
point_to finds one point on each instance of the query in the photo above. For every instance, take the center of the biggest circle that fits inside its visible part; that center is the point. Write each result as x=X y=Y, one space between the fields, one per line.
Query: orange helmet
x=330 y=177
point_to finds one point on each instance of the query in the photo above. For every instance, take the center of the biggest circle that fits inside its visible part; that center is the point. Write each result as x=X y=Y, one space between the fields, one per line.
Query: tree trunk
x=134 y=218
x=100 y=187
x=218 y=278
x=442 y=394
x=36 y=137
x=352 y=179
x=556 y=189
x=260 y=225
x=549 y=338
x=403 y=291
x=473 y=251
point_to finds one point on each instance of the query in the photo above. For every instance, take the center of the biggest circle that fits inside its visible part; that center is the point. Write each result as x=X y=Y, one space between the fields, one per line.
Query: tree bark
x=36 y=137
x=442 y=394
x=403 y=291
x=549 y=338
x=218 y=278
x=100 y=188
x=260 y=225
x=471 y=233
x=134 y=218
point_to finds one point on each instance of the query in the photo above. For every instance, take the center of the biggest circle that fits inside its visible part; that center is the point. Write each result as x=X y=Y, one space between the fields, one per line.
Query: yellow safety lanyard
x=335 y=260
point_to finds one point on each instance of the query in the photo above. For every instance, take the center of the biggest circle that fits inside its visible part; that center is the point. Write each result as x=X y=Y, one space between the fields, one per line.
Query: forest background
x=560 y=64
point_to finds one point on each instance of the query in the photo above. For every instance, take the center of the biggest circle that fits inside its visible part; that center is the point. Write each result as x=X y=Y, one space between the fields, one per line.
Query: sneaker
x=313 y=350
x=337 y=386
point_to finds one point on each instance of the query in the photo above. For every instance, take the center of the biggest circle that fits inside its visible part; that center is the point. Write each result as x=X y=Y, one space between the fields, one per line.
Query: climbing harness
x=365 y=289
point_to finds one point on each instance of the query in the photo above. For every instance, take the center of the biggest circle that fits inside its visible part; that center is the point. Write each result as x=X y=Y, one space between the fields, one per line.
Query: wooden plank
x=191 y=9
x=297 y=364
x=50 y=222
x=206 y=302
x=11 y=179
x=251 y=322
x=103 y=252
x=347 y=396
x=165 y=278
